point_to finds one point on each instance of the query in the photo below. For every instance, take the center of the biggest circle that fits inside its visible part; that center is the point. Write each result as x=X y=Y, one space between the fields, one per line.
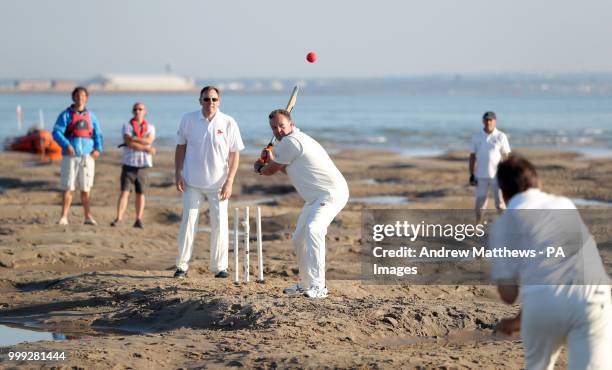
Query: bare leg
x=67 y=200
x=140 y=203
x=122 y=204
x=85 y=201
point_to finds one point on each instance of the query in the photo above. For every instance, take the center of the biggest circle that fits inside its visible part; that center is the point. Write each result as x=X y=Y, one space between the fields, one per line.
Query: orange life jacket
x=139 y=129
x=80 y=125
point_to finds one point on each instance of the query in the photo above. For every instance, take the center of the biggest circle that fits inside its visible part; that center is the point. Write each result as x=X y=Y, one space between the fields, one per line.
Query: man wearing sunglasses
x=208 y=145
x=138 y=151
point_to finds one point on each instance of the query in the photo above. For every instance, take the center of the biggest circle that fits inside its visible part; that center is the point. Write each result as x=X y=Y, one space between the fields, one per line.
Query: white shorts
x=77 y=169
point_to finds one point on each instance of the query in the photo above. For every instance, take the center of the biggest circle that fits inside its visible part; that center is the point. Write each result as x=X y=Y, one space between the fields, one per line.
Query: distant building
x=63 y=85
x=32 y=85
x=128 y=82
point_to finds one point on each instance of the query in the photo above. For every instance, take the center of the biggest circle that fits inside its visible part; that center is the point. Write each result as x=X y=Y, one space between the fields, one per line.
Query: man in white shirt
x=208 y=146
x=138 y=151
x=320 y=184
x=487 y=149
x=565 y=296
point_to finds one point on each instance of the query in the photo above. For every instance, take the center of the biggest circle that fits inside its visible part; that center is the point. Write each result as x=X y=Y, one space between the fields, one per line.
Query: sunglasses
x=136 y=109
x=210 y=99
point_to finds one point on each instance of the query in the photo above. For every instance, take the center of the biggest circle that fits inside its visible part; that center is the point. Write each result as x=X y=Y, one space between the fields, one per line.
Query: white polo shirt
x=489 y=149
x=209 y=144
x=309 y=167
x=537 y=220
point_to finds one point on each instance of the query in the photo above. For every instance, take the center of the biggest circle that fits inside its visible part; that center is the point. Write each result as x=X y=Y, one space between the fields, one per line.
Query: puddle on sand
x=382 y=199
x=367 y=182
x=10 y=336
x=591 y=202
x=13 y=333
x=463 y=337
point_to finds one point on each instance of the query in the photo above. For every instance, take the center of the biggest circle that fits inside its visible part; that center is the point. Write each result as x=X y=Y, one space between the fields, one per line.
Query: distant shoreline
x=108 y=92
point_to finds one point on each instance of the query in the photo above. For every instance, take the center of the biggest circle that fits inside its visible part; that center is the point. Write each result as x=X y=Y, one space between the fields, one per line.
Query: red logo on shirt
x=219 y=132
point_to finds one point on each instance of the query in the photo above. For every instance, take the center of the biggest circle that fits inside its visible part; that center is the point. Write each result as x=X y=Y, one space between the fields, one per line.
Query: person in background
x=488 y=148
x=138 y=151
x=78 y=132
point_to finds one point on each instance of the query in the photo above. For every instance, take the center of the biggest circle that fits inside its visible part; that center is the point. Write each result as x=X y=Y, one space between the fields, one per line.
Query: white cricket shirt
x=489 y=149
x=309 y=167
x=208 y=147
x=535 y=220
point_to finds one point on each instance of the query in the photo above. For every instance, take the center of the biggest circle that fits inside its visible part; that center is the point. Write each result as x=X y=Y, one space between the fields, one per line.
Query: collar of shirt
x=295 y=131
x=519 y=198
x=206 y=119
x=492 y=132
x=71 y=108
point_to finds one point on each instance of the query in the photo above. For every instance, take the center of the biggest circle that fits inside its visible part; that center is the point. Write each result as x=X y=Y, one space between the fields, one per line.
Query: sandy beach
x=86 y=281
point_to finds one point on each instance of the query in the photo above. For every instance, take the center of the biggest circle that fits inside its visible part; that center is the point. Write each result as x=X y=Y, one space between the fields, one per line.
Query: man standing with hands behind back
x=206 y=159
x=77 y=131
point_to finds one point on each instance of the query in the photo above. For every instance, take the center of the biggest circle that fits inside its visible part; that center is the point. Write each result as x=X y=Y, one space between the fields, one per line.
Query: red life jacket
x=139 y=129
x=80 y=125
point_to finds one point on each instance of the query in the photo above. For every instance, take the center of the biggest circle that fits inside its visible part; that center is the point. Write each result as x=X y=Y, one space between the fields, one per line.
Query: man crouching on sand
x=322 y=187
x=565 y=296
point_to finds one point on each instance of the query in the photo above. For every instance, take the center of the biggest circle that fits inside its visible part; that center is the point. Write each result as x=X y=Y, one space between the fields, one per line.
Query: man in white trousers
x=564 y=286
x=322 y=187
x=487 y=149
x=208 y=146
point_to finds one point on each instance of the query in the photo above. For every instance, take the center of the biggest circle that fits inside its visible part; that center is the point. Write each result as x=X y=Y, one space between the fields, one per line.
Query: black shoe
x=180 y=274
x=138 y=224
x=115 y=223
x=222 y=274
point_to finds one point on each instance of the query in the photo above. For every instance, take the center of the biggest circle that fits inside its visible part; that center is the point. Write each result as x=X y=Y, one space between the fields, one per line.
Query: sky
x=270 y=38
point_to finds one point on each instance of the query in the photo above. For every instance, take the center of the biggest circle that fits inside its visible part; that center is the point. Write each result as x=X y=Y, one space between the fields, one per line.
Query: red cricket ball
x=311 y=57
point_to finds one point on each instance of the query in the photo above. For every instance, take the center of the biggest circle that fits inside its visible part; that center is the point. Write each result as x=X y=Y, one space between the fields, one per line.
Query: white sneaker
x=293 y=290
x=62 y=221
x=315 y=292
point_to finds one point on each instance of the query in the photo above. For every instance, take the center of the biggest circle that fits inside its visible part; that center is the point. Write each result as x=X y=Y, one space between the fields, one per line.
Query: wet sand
x=76 y=278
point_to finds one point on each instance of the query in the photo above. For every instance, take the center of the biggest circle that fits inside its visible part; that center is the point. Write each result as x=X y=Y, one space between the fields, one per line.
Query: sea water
x=408 y=124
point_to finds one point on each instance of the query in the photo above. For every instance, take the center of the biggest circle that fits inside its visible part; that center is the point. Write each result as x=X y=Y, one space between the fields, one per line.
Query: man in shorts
x=78 y=132
x=138 y=151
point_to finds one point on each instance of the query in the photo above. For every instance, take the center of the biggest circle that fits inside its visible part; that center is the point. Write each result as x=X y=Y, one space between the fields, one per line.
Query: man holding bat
x=322 y=187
